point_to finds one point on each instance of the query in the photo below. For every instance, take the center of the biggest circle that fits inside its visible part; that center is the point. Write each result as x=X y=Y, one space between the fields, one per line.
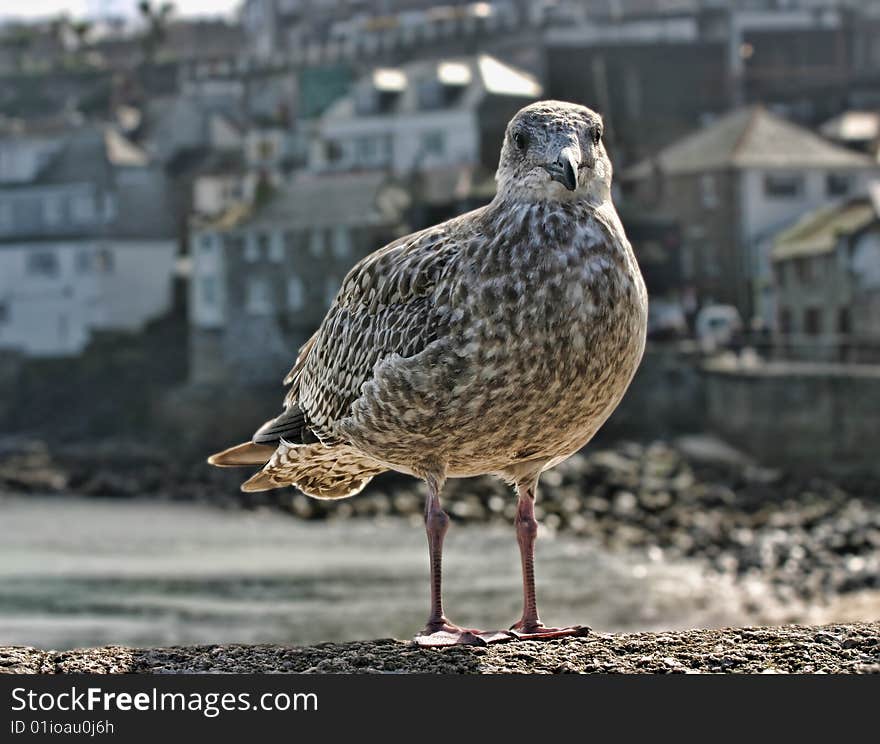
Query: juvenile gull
x=496 y=342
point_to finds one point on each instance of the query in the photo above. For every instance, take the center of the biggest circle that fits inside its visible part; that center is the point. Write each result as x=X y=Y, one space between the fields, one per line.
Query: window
x=844 y=321
x=258 y=298
x=783 y=185
x=109 y=208
x=367 y=150
x=813 y=321
x=296 y=293
x=785 y=320
x=5 y=216
x=83 y=208
x=433 y=143
x=837 y=184
x=206 y=244
x=52 y=210
x=371 y=151
x=42 y=263
x=333 y=151
x=779 y=272
x=63 y=328
x=232 y=191
x=4 y=313
x=106 y=261
x=804 y=269
x=251 y=249
x=341 y=243
x=316 y=242
x=331 y=287
x=289 y=241
x=208 y=290
x=83 y=262
x=708 y=191
x=276 y=248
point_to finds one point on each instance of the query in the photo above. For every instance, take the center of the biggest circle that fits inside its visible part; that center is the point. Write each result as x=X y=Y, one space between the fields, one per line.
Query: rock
x=789 y=649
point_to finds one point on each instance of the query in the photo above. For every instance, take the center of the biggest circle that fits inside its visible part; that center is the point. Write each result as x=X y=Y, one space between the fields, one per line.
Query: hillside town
x=219 y=177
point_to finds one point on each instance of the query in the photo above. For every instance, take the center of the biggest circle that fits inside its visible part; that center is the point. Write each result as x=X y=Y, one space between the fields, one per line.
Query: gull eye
x=520 y=140
x=597 y=135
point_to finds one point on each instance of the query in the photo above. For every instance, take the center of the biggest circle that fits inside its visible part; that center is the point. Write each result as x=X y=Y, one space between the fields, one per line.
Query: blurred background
x=183 y=187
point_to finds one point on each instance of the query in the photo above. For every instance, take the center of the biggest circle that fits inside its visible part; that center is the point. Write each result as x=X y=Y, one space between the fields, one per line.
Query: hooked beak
x=565 y=169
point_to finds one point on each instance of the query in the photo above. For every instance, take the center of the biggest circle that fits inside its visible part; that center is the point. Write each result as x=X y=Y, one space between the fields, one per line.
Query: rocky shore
x=832 y=649
x=810 y=537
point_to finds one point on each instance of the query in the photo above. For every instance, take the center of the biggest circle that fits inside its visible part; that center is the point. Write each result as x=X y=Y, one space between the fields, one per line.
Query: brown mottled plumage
x=496 y=342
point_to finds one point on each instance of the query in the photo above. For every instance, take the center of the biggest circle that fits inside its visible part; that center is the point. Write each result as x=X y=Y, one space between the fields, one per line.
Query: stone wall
x=824 y=416
x=666 y=397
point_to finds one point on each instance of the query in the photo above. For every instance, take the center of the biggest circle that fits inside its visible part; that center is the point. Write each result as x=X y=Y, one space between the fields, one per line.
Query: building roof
x=101 y=159
x=750 y=137
x=817 y=232
x=463 y=82
x=90 y=154
x=352 y=199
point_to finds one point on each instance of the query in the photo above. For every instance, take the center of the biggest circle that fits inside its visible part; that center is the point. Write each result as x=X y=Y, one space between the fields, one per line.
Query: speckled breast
x=544 y=340
x=550 y=367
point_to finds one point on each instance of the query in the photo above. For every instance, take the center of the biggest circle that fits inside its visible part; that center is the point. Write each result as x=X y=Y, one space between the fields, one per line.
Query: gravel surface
x=833 y=649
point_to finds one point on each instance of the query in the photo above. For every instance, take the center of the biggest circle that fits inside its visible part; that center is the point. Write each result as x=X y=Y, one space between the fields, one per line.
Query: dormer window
x=381 y=95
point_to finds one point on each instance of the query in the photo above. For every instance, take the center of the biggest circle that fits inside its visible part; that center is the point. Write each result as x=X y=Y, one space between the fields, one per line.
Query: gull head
x=553 y=151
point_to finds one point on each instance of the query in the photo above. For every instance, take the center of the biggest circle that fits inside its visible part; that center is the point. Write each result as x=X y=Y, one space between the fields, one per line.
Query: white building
x=423 y=116
x=87 y=243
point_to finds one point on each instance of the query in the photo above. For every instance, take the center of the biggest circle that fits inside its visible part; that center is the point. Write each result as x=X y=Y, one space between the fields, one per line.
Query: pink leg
x=530 y=625
x=439 y=631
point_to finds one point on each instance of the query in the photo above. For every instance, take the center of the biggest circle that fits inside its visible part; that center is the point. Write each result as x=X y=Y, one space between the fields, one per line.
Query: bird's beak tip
x=565 y=169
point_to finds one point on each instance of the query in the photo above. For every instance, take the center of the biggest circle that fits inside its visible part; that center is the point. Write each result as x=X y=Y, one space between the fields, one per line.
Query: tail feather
x=319 y=471
x=241 y=455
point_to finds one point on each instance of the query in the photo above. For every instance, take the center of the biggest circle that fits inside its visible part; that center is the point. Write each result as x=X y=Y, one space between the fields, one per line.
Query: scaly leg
x=439 y=631
x=530 y=625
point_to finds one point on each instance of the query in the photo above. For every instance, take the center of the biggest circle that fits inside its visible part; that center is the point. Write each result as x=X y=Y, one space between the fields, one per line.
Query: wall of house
x=819 y=285
x=866 y=276
x=207 y=296
x=46 y=313
x=707 y=207
x=137 y=285
x=406 y=138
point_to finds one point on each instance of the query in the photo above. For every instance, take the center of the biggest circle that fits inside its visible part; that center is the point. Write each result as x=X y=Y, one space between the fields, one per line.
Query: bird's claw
x=539 y=632
x=451 y=635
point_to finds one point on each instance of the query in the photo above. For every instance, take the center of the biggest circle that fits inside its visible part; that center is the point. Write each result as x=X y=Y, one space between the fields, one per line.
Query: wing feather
x=386 y=306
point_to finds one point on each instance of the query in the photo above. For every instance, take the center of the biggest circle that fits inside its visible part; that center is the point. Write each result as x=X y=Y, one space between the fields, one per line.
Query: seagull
x=497 y=342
